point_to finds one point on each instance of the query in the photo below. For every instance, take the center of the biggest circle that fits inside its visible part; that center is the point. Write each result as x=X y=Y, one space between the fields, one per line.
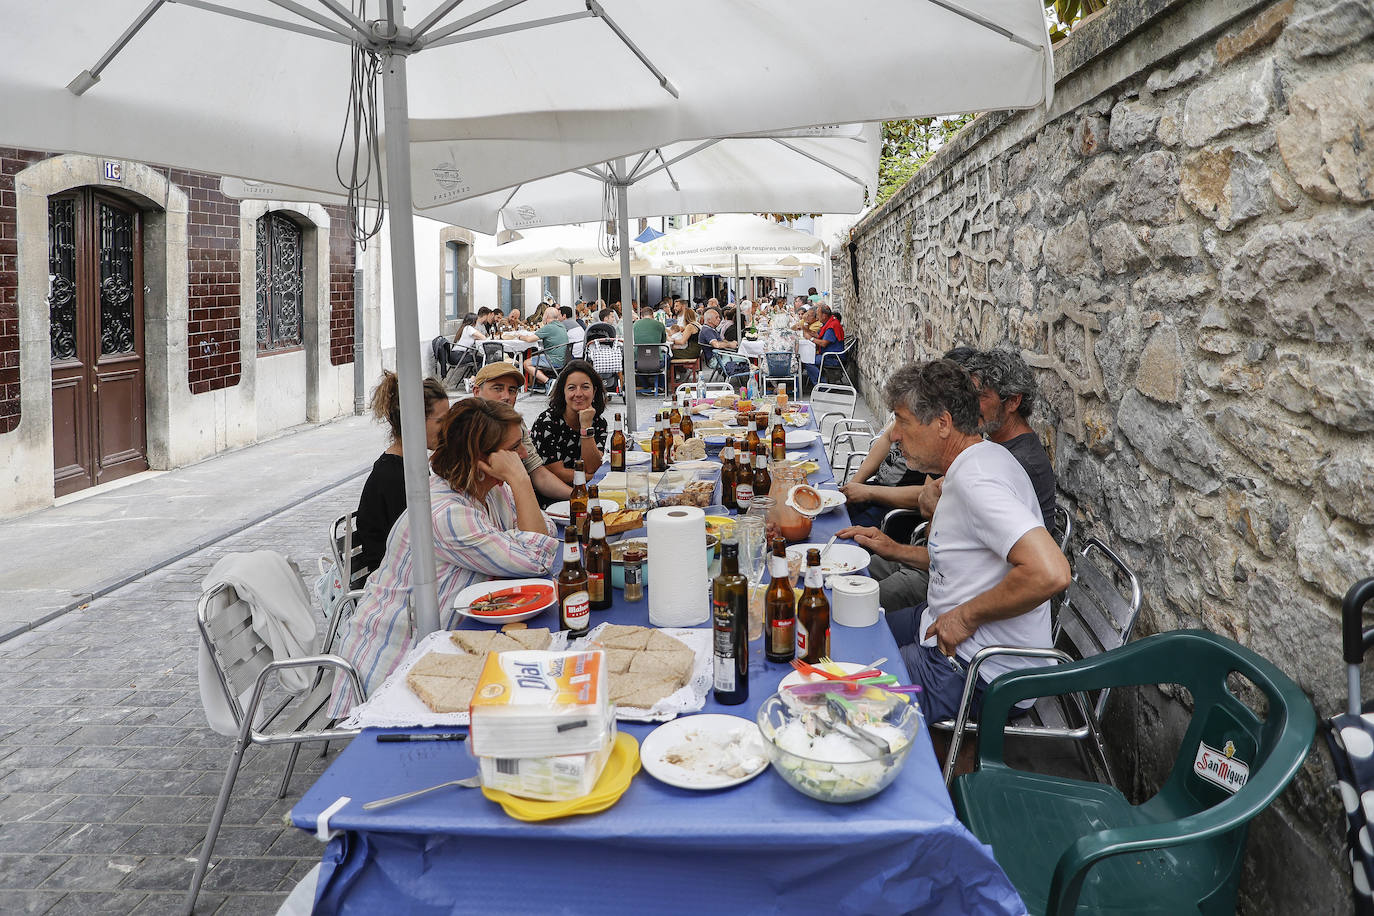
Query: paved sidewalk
x=62 y=557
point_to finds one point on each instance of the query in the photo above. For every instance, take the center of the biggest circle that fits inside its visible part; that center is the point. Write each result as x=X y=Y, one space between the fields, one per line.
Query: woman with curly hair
x=487 y=524
x=573 y=426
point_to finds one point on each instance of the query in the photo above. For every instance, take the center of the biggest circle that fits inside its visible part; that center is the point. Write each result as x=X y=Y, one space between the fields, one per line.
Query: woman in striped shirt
x=487 y=524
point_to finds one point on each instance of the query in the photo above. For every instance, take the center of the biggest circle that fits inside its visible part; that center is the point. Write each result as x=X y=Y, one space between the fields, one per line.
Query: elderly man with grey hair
x=993 y=566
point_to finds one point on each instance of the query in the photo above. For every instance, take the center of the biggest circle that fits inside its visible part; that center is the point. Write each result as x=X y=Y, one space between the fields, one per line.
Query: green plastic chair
x=1071 y=846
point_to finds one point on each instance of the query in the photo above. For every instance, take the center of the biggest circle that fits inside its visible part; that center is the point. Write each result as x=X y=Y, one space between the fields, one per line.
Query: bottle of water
x=701 y=388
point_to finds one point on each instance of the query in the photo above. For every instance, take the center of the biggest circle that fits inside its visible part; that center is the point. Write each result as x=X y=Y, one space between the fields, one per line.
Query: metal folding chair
x=712 y=389
x=245 y=664
x=1098 y=614
x=838 y=359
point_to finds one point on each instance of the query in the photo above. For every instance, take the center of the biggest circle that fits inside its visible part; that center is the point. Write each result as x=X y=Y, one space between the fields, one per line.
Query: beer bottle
x=727 y=474
x=573 y=600
x=577 y=500
x=744 y=480
x=598 y=562
x=730 y=621
x=813 y=613
x=618 y=445
x=593 y=495
x=762 y=481
x=779 y=609
x=675 y=416
x=687 y=425
x=658 y=447
x=779 y=441
x=751 y=441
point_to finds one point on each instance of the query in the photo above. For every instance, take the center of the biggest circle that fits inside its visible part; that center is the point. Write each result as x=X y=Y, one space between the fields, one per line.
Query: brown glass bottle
x=730 y=622
x=779 y=609
x=813 y=613
x=577 y=500
x=744 y=480
x=675 y=417
x=751 y=441
x=618 y=446
x=687 y=425
x=574 y=611
x=658 y=447
x=727 y=474
x=763 y=482
x=779 y=441
x=598 y=562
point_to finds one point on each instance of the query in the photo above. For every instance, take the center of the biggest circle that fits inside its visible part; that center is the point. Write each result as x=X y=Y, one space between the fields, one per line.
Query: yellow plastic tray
x=621 y=768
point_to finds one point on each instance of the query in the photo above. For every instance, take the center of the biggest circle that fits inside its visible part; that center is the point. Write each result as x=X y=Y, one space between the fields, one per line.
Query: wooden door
x=95 y=267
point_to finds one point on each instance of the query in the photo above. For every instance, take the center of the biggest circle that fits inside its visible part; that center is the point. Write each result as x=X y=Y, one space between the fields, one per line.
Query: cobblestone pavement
x=108 y=771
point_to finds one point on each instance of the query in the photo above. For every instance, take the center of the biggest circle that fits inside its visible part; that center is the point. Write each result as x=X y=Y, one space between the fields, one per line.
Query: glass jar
x=634 y=575
x=785 y=520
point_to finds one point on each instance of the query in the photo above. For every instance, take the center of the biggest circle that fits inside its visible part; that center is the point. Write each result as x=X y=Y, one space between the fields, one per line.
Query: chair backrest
x=650 y=357
x=777 y=364
x=1062 y=529
x=711 y=388
x=238 y=654
x=492 y=351
x=1099 y=609
x=346 y=550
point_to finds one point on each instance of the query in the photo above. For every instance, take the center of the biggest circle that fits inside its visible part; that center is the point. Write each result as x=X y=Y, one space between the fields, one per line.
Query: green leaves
x=907 y=144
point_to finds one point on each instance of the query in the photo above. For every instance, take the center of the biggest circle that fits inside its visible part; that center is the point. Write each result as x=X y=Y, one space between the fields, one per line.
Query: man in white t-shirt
x=993 y=566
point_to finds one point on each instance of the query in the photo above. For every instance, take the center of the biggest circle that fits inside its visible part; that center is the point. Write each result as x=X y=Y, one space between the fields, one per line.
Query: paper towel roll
x=677 y=567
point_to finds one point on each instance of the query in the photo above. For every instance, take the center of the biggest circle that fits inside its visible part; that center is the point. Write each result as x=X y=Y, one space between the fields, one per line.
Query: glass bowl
x=830 y=780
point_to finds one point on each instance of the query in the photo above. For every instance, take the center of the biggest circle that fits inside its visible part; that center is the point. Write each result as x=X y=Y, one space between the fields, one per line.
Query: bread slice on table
x=618 y=660
x=537 y=638
x=449 y=664
x=442 y=694
x=475 y=641
x=640 y=691
x=659 y=641
x=618 y=636
x=504 y=642
x=674 y=666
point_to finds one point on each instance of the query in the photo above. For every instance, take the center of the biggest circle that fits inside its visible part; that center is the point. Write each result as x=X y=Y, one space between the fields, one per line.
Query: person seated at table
x=469 y=332
x=573 y=426
x=649 y=329
x=728 y=329
x=577 y=332
x=721 y=354
x=993 y=566
x=684 y=338
x=664 y=310
x=552 y=338
x=384 y=492
x=830 y=339
x=502 y=382
x=487 y=524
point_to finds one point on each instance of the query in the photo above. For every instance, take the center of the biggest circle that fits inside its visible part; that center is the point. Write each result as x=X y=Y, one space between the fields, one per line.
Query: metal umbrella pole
x=622 y=221
x=423 y=589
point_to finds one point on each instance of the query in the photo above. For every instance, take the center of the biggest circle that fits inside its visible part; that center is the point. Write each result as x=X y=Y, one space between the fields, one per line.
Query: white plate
x=695 y=464
x=559 y=511
x=482 y=589
x=704 y=731
x=831 y=499
x=798 y=456
x=796 y=677
x=842 y=559
x=800 y=438
x=634 y=459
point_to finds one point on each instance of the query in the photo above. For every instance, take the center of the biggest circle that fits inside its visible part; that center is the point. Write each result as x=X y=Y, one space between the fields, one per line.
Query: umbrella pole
x=739 y=287
x=572 y=282
x=423 y=593
x=627 y=333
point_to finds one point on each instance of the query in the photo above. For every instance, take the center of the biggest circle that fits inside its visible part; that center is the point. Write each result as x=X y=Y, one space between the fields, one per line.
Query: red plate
x=508 y=601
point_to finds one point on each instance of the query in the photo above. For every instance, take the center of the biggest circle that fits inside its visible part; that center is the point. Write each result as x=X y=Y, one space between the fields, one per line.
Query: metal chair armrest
x=849 y=464
x=893 y=514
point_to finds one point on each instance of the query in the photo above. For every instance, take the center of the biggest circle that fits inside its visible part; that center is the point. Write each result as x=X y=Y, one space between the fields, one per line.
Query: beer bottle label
x=814 y=579
x=572 y=553
x=577 y=610
x=778 y=568
x=801 y=639
x=724 y=649
x=744 y=495
x=780 y=638
x=596 y=586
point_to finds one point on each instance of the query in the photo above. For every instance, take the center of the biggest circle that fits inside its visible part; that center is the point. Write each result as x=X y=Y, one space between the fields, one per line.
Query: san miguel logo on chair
x=1221 y=766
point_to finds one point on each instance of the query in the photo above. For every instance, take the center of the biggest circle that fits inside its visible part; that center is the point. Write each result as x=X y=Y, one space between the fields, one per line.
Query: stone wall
x=1184 y=248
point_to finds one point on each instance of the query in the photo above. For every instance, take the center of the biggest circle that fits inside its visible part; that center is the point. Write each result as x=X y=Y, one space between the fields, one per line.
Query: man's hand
x=872 y=540
x=856 y=492
x=950 y=629
x=586 y=418
x=930 y=497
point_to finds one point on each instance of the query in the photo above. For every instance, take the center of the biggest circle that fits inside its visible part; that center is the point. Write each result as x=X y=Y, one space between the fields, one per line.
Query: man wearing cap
x=502 y=382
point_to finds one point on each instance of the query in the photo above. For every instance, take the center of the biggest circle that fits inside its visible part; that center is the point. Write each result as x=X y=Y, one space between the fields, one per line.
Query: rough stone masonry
x=1183 y=246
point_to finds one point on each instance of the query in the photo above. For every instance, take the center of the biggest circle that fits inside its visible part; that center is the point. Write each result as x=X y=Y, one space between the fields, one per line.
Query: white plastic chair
x=712 y=389
x=245 y=665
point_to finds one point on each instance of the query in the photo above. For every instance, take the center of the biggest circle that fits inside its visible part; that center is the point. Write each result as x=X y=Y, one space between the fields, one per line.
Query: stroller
x=1350 y=739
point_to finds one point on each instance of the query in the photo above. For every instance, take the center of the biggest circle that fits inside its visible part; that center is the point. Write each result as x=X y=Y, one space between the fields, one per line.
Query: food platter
x=705 y=752
x=506 y=600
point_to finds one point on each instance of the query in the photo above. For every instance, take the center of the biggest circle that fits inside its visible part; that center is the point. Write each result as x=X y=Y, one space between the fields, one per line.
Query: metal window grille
x=280 y=283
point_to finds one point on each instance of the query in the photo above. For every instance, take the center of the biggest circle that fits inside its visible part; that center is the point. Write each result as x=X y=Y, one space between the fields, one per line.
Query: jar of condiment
x=634 y=574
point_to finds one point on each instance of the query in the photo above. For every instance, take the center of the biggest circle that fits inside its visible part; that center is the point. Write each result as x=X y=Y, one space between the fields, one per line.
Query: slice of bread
x=537 y=638
x=503 y=642
x=442 y=694
x=661 y=642
x=618 y=660
x=640 y=691
x=475 y=641
x=673 y=666
x=616 y=636
x=448 y=664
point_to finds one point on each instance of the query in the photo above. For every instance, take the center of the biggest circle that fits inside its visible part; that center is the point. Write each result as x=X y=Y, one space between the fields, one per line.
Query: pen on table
x=429 y=736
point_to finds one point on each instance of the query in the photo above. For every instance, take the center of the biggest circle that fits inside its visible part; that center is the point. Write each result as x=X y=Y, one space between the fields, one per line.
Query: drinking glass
x=753 y=547
x=637 y=489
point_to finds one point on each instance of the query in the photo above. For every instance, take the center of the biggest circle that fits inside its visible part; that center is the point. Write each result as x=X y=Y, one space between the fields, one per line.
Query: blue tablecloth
x=757 y=848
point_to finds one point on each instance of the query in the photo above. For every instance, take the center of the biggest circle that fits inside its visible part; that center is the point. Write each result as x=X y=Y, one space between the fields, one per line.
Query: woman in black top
x=384 y=494
x=573 y=427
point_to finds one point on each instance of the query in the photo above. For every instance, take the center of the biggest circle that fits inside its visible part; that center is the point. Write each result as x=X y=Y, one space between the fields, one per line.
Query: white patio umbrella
x=258 y=89
x=579 y=249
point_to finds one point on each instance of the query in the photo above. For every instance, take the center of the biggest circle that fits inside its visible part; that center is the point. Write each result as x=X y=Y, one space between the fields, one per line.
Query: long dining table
x=760 y=847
